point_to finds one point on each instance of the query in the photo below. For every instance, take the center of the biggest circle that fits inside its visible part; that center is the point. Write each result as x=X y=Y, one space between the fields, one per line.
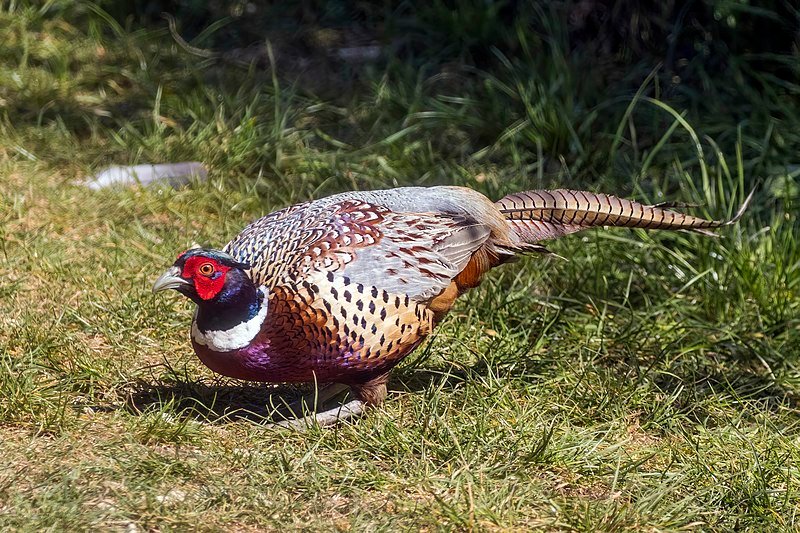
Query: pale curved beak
x=171 y=279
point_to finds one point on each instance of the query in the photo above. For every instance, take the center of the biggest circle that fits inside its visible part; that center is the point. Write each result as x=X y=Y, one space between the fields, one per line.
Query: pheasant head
x=204 y=275
x=217 y=283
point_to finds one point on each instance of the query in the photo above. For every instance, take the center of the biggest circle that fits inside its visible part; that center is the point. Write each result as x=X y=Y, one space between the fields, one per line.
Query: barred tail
x=549 y=214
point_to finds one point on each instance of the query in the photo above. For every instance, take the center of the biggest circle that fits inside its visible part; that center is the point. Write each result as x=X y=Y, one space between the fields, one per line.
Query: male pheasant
x=340 y=290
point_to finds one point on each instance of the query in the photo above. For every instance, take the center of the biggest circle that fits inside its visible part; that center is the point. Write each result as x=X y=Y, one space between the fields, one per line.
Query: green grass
x=648 y=383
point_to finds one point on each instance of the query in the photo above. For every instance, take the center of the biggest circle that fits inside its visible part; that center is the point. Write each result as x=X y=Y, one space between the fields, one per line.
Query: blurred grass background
x=650 y=382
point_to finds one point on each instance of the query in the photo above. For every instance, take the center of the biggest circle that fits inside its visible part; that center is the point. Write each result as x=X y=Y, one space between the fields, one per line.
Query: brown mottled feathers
x=357 y=280
x=342 y=330
x=350 y=281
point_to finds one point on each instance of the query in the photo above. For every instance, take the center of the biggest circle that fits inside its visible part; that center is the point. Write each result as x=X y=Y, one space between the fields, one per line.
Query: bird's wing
x=371 y=239
x=417 y=254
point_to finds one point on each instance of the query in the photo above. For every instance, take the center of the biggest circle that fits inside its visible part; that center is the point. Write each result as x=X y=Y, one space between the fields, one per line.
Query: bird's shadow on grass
x=224 y=401
x=215 y=402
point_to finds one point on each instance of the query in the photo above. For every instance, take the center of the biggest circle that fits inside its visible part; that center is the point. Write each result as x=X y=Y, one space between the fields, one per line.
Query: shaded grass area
x=650 y=382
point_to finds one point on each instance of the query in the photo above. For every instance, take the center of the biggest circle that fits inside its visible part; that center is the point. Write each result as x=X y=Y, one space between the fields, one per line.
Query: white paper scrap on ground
x=171 y=174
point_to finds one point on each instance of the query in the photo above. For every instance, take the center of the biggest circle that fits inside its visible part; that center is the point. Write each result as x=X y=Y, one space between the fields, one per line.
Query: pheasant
x=341 y=289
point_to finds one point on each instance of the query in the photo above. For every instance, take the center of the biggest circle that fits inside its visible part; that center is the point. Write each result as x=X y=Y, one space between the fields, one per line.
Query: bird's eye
x=206 y=269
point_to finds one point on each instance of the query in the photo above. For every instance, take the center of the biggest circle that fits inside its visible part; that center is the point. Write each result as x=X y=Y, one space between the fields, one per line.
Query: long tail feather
x=549 y=214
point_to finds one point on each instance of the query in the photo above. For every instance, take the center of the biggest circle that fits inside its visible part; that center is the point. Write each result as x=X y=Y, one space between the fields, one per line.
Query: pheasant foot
x=351 y=409
x=370 y=392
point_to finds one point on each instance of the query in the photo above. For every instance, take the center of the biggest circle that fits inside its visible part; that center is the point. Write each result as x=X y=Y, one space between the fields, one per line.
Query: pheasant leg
x=370 y=392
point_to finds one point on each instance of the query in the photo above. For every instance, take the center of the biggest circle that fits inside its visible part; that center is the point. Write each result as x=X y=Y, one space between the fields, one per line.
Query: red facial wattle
x=207 y=285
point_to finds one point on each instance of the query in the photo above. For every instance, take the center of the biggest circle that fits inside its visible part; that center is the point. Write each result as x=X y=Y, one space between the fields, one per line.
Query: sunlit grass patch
x=648 y=382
